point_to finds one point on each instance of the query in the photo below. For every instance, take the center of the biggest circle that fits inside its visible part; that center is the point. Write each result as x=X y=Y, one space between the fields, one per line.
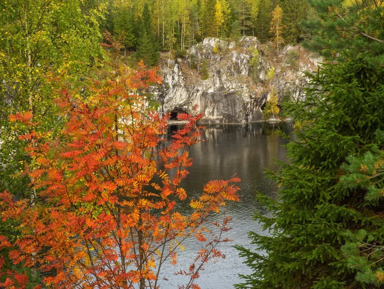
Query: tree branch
x=362 y=33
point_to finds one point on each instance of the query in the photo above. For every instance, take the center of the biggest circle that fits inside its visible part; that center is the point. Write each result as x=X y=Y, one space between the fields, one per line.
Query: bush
x=216 y=49
x=271 y=73
x=181 y=53
x=271 y=108
x=192 y=62
x=254 y=64
x=204 y=70
x=292 y=59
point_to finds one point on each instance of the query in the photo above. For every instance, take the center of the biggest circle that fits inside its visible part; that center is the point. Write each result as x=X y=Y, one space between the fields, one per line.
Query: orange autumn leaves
x=107 y=187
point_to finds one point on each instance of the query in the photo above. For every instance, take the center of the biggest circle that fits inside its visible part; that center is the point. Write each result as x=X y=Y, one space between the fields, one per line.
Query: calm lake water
x=245 y=150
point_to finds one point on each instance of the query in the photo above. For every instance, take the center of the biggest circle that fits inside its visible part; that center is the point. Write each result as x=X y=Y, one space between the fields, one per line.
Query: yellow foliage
x=196 y=205
x=151 y=263
x=380 y=276
x=363 y=168
x=76 y=271
x=277 y=26
x=222 y=12
x=272 y=109
x=271 y=73
x=349 y=3
x=216 y=49
x=219 y=17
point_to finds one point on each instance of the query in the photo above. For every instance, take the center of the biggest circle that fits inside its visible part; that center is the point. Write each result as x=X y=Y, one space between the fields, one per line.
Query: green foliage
x=39 y=40
x=272 y=109
x=263 y=20
x=286 y=98
x=48 y=38
x=330 y=188
x=242 y=12
x=208 y=18
x=352 y=26
x=367 y=172
x=192 y=62
x=362 y=256
x=216 y=49
x=124 y=26
x=147 y=49
x=363 y=249
x=181 y=53
x=254 y=11
x=295 y=11
x=270 y=74
x=254 y=64
x=235 y=30
x=178 y=24
x=204 y=70
x=292 y=58
x=225 y=28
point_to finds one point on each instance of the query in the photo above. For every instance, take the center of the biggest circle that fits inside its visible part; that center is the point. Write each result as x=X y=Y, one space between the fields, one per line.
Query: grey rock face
x=238 y=79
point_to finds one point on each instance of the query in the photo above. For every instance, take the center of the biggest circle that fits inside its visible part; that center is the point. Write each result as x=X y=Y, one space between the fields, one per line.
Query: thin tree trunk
x=28 y=53
x=29 y=61
x=158 y=24
x=141 y=254
x=163 y=22
x=243 y=19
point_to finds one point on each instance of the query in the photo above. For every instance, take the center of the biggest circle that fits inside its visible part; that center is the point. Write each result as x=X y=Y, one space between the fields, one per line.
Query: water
x=227 y=150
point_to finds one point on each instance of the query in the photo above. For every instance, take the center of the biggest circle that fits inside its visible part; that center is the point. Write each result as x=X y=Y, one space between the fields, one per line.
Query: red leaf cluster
x=109 y=187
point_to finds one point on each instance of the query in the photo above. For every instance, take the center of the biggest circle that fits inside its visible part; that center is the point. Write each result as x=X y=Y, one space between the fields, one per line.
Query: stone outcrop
x=230 y=82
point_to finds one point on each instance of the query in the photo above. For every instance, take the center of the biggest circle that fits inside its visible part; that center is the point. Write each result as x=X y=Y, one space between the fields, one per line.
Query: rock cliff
x=230 y=82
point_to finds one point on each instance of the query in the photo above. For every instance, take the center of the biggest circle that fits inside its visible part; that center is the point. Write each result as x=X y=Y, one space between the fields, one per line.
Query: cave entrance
x=262 y=107
x=175 y=113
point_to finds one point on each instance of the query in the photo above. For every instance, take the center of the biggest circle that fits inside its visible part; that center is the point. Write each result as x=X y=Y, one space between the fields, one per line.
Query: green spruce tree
x=294 y=12
x=346 y=25
x=244 y=16
x=124 y=26
x=147 y=48
x=263 y=20
x=326 y=231
x=316 y=211
x=208 y=19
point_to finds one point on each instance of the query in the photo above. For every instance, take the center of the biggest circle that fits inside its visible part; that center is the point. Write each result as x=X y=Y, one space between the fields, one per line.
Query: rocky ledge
x=230 y=82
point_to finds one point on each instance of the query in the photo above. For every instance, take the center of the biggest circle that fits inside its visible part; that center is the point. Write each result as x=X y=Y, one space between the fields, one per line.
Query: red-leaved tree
x=105 y=213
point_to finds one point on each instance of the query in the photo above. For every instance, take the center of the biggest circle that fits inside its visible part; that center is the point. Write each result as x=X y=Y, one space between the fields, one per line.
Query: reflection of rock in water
x=230 y=149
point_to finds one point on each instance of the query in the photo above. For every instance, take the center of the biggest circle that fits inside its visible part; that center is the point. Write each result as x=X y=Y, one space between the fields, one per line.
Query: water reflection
x=245 y=150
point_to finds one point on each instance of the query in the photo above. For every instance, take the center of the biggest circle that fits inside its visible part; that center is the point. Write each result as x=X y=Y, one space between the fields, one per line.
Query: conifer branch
x=362 y=33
